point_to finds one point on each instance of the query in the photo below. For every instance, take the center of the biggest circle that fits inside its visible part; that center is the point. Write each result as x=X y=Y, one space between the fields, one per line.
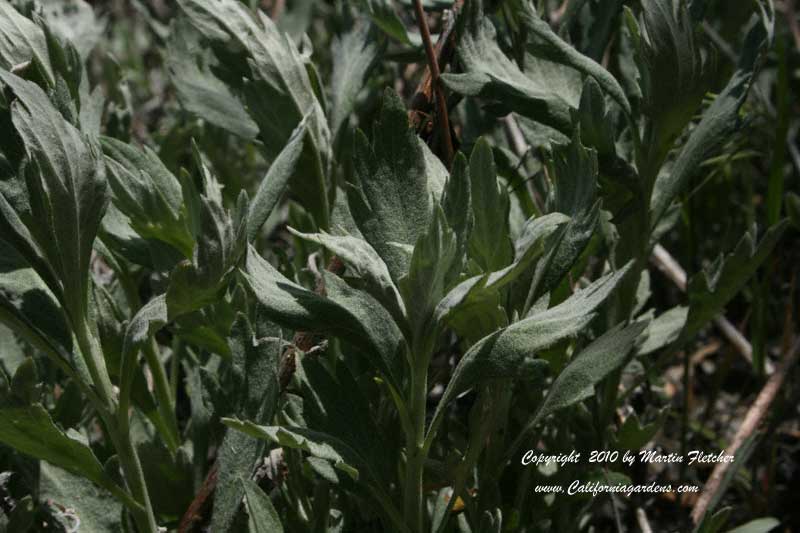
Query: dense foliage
x=265 y=269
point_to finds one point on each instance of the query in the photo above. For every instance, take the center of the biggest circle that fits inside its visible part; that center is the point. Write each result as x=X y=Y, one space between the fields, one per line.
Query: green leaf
x=563 y=251
x=388 y=196
x=31 y=431
x=276 y=88
x=545 y=92
x=673 y=74
x=256 y=363
x=385 y=17
x=717 y=124
x=352 y=315
x=633 y=435
x=148 y=193
x=573 y=169
x=365 y=263
x=97 y=511
x=552 y=47
x=347 y=417
x=315 y=443
x=510 y=352
x=148 y=320
x=276 y=182
x=21 y=40
x=262 y=515
x=25 y=383
x=663 y=330
x=68 y=195
x=457 y=206
x=464 y=304
x=200 y=91
x=596 y=123
x=29 y=307
x=489 y=242
x=709 y=291
x=759 y=525
x=198 y=284
x=432 y=260
x=23 y=516
x=575 y=383
x=353 y=55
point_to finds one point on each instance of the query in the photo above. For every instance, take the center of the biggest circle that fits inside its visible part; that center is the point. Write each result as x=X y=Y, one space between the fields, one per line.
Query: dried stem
x=673 y=270
x=751 y=422
x=433 y=64
x=200 y=503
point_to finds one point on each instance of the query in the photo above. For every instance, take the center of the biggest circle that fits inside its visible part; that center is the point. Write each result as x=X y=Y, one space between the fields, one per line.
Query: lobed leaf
x=510 y=352
x=388 y=196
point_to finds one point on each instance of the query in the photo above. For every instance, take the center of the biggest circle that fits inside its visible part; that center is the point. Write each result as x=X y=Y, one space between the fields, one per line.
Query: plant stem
x=134 y=476
x=118 y=428
x=163 y=392
x=95 y=362
x=416 y=451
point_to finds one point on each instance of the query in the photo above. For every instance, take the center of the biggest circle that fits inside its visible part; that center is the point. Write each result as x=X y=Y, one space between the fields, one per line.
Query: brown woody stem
x=433 y=64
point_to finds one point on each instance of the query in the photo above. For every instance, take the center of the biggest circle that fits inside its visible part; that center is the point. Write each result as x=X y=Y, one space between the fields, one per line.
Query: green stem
x=416 y=451
x=134 y=475
x=95 y=362
x=118 y=428
x=162 y=389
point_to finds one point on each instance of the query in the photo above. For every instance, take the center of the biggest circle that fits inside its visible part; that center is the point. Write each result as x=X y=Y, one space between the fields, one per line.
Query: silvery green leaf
x=262 y=516
x=663 y=330
x=96 y=510
x=597 y=126
x=709 y=291
x=388 y=196
x=148 y=193
x=365 y=263
x=464 y=304
x=29 y=307
x=21 y=40
x=759 y=525
x=276 y=182
x=67 y=191
x=489 y=243
x=573 y=168
x=347 y=417
x=673 y=74
x=353 y=55
x=457 y=202
x=717 y=124
x=510 y=352
x=200 y=91
x=575 y=383
x=431 y=263
x=276 y=88
x=30 y=430
x=545 y=92
x=554 y=48
x=256 y=363
x=313 y=442
x=196 y=284
x=385 y=17
x=350 y=314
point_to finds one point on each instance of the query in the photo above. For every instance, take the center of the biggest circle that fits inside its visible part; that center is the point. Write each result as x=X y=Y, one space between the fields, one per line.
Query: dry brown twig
x=751 y=421
x=435 y=82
